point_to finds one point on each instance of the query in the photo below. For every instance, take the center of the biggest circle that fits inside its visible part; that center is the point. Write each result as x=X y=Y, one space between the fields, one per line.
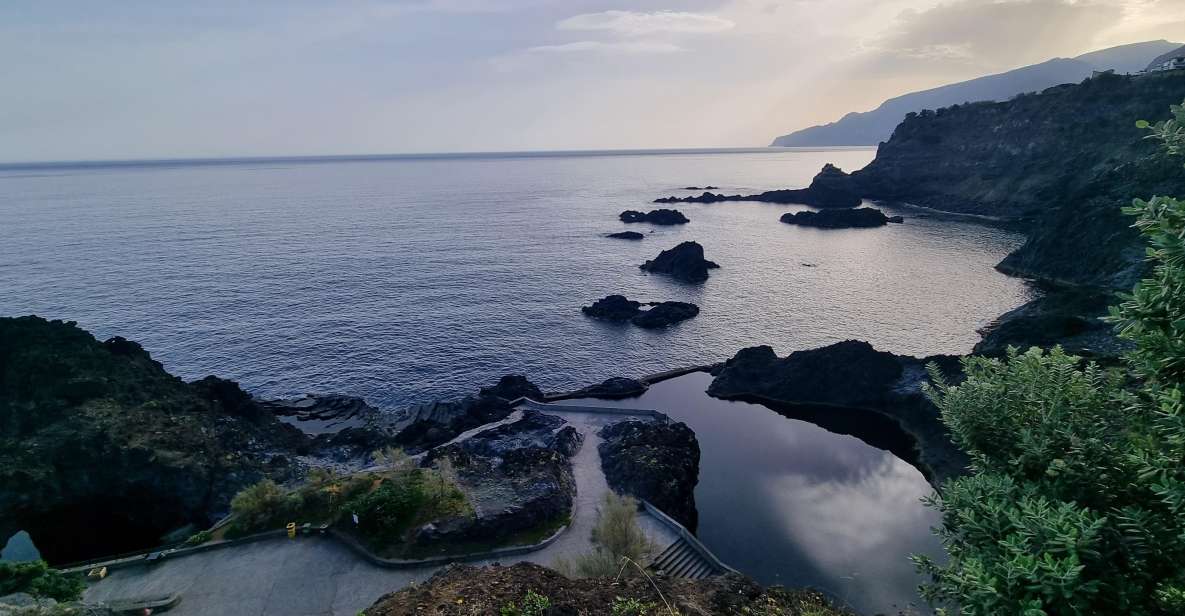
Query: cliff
x=1062 y=162
x=873 y=127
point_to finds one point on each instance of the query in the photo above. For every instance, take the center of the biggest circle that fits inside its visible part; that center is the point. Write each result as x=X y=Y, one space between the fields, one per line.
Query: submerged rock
x=709 y=187
x=655 y=217
x=654 y=460
x=626 y=235
x=683 y=262
x=840 y=218
x=613 y=388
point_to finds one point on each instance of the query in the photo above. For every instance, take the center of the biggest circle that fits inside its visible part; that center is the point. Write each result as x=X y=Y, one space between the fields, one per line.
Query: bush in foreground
x=1076 y=501
x=37 y=579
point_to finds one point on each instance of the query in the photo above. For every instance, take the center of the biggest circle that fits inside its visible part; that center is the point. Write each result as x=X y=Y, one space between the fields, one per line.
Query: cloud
x=625 y=47
x=632 y=23
x=996 y=33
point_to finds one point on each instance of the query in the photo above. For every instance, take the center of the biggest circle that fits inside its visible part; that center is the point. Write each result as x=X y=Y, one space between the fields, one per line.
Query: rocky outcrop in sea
x=626 y=235
x=612 y=388
x=860 y=217
x=851 y=388
x=650 y=315
x=829 y=189
x=655 y=217
x=684 y=262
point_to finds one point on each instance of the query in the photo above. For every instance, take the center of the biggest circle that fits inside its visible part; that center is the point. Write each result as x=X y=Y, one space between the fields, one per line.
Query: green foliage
x=1076 y=504
x=631 y=607
x=37 y=579
x=258 y=505
x=532 y=604
x=618 y=540
x=387 y=511
x=198 y=538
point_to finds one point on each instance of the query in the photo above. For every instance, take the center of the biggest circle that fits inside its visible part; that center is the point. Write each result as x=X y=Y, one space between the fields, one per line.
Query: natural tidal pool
x=790 y=503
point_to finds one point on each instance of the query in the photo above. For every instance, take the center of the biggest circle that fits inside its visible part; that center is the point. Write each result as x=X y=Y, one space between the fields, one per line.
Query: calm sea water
x=408 y=279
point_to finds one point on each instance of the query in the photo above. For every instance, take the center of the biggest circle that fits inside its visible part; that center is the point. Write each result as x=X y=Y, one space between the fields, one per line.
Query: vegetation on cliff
x=102 y=451
x=1077 y=497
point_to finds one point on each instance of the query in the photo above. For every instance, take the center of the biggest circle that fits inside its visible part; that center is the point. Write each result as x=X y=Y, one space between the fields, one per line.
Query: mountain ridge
x=875 y=126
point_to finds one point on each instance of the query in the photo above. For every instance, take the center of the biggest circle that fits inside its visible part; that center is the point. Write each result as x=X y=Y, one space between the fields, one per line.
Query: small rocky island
x=830 y=188
x=659 y=314
x=626 y=235
x=861 y=217
x=655 y=217
x=684 y=262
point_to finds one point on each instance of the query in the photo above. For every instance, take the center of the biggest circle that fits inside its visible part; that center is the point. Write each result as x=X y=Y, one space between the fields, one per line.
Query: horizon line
x=214 y=160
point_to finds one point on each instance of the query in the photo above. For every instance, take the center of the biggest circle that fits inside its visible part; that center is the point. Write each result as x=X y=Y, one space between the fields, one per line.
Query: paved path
x=317 y=576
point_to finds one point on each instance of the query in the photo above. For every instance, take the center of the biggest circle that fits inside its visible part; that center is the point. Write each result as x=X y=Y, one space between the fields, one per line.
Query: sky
x=137 y=79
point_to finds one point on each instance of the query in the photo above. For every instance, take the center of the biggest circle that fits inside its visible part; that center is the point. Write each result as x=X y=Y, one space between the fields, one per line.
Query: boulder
x=683 y=262
x=654 y=460
x=613 y=388
x=655 y=217
x=840 y=218
x=513 y=387
x=626 y=235
x=613 y=308
x=665 y=314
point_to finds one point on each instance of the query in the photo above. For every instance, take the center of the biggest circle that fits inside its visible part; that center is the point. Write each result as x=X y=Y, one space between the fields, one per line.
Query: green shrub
x=386 y=512
x=258 y=505
x=617 y=537
x=198 y=538
x=1076 y=501
x=533 y=604
x=630 y=607
x=37 y=579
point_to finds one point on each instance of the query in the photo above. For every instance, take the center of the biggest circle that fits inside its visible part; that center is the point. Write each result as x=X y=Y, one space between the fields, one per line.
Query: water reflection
x=788 y=502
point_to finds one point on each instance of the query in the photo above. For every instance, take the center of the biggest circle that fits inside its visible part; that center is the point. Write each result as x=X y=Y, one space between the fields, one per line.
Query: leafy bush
x=1076 y=501
x=533 y=604
x=258 y=505
x=37 y=579
x=630 y=607
x=387 y=511
x=617 y=537
x=198 y=538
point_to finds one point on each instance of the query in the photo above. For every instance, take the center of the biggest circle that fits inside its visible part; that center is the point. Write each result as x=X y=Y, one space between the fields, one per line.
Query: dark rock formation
x=683 y=262
x=659 y=314
x=488 y=589
x=831 y=188
x=626 y=235
x=102 y=451
x=701 y=187
x=1071 y=318
x=851 y=388
x=321 y=414
x=655 y=217
x=613 y=308
x=517 y=476
x=654 y=460
x=840 y=218
x=665 y=314
x=613 y=388
x=425 y=426
x=513 y=387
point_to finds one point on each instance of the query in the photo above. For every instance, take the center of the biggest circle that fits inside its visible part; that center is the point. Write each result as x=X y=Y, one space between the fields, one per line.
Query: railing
x=688 y=537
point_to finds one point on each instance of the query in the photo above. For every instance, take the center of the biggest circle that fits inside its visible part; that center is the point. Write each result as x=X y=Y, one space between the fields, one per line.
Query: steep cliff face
x=102 y=451
x=1063 y=162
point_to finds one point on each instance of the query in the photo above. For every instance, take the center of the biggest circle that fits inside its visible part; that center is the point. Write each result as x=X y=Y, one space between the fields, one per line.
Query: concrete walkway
x=317 y=576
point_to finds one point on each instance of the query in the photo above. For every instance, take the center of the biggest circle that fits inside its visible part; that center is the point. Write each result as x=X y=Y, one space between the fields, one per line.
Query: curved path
x=318 y=576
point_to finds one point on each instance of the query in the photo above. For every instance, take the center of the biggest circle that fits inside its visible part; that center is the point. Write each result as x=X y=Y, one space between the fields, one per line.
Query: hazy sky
x=158 y=78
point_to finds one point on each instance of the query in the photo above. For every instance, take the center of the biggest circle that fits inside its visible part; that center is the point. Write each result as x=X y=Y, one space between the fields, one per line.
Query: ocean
x=407 y=279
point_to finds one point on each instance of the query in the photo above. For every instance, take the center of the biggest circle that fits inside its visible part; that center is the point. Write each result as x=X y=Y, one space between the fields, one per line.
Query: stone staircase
x=683 y=560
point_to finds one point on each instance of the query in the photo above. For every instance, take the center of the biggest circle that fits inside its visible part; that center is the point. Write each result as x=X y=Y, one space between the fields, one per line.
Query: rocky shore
x=654 y=460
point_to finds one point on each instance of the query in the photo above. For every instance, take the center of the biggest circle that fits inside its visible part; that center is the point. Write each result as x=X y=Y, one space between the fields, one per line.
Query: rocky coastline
x=684 y=262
